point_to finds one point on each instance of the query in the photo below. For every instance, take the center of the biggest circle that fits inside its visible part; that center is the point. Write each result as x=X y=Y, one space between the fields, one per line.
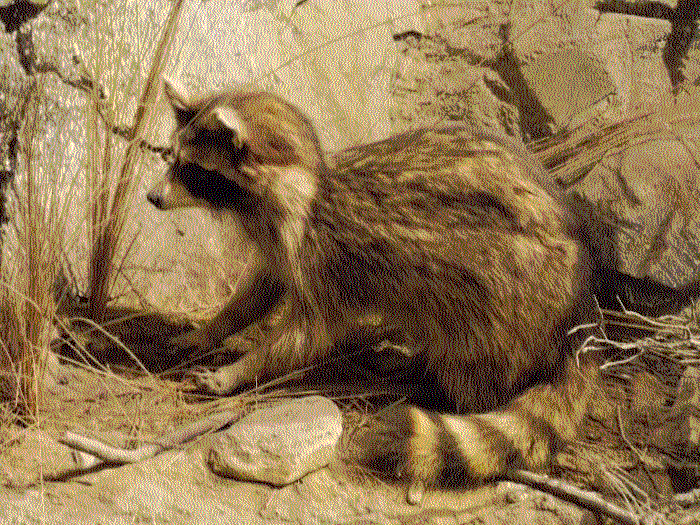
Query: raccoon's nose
x=155 y=199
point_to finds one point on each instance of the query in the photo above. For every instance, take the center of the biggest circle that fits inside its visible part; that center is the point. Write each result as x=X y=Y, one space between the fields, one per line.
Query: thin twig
x=629 y=359
x=108 y=453
x=583 y=498
x=119 y=456
x=585 y=326
x=686 y=499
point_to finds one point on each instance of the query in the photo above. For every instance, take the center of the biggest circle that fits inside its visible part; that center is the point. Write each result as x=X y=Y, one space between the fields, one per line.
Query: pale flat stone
x=280 y=444
x=581 y=81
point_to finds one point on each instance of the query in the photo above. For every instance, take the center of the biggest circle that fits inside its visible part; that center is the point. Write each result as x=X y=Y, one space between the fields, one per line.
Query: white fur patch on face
x=229 y=118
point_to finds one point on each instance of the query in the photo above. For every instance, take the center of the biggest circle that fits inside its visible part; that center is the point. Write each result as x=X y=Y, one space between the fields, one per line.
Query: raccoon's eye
x=211 y=186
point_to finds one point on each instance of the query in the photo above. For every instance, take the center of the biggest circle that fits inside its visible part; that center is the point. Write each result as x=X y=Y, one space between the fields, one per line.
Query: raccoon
x=454 y=236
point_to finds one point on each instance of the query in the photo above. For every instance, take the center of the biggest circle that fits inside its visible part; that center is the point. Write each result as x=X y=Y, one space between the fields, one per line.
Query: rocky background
x=531 y=68
x=528 y=67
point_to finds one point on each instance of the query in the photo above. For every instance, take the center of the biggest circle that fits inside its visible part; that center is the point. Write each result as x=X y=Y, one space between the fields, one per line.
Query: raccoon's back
x=427 y=197
x=449 y=177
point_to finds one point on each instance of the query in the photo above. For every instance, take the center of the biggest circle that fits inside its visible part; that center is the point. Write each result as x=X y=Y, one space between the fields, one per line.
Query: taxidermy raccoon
x=454 y=236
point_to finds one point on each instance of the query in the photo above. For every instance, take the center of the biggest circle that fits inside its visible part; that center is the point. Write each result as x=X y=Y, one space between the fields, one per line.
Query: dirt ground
x=639 y=449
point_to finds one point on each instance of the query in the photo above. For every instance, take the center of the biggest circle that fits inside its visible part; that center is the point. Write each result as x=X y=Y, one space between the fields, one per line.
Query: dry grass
x=109 y=209
x=29 y=273
x=572 y=153
x=634 y=441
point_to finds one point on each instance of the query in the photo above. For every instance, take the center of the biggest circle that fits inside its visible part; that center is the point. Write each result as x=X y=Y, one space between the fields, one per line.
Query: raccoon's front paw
x=220 y=382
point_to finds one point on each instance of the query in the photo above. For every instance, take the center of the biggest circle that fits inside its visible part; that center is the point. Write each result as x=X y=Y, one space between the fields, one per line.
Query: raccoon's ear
x=178 y=97
x=228 y=118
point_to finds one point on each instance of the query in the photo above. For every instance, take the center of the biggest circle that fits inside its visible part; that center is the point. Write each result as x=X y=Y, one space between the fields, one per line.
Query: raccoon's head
x=244 y=151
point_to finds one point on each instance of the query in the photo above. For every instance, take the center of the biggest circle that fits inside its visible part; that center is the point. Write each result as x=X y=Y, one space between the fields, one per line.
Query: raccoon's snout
x=155 y=199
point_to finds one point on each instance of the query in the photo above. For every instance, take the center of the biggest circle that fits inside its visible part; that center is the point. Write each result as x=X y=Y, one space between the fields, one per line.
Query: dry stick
x=583 y=498
x=107 y=453
x=119 y=456
x=686 y=499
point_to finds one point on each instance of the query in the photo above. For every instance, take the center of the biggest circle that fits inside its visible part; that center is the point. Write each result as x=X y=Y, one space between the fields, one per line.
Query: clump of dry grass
x=109 y=207
x=571 y=153
x=28 y=276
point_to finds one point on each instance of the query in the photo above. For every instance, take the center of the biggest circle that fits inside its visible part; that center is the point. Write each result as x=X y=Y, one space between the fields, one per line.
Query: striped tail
x=433 y=450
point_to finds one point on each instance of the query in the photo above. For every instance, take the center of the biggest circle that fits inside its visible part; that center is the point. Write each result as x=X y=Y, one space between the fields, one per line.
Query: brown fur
x=454 y=236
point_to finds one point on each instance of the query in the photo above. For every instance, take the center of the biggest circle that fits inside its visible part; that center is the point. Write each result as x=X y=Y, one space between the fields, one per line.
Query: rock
x=280 y=444
x=650 y=191
x=581 y=79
